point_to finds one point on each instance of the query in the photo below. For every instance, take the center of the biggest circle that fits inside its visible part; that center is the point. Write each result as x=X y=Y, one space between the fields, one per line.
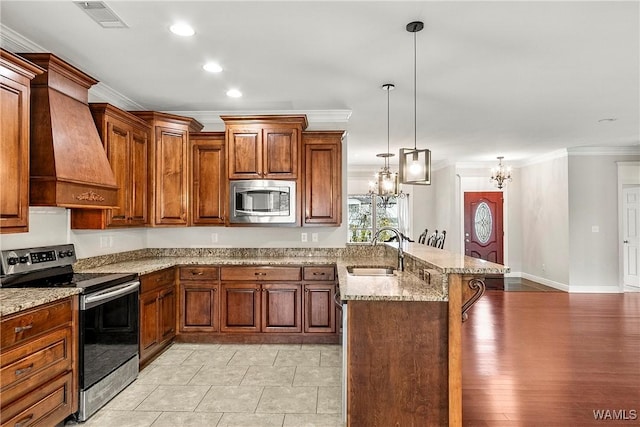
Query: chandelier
x=415 y=165
x=386 y=182
x=500 y=174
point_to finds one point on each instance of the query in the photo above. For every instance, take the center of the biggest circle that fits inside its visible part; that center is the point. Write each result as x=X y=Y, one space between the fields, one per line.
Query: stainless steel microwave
x=262 y=201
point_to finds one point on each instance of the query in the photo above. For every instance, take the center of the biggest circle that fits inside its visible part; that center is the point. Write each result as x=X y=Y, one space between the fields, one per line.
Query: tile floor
x=232 y=385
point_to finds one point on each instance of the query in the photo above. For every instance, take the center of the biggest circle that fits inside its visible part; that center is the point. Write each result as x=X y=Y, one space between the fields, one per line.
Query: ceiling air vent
x=102 y=14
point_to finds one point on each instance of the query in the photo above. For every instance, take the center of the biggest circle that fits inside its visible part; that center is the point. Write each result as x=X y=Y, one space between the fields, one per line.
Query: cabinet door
x=322 y=180
x=117 y=144
x=281 y=308
x=149 y=317
x=167 y=305
x=240 y=307
x=319 y=308
x=138 y=176
x=208 y=195
x=199 y=307
x=280 y=153
x=171 y=176
x=14 y=157
x=245 y=152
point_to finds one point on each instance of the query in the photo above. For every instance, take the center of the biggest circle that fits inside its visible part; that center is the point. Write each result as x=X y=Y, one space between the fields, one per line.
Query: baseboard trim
x=541 y=280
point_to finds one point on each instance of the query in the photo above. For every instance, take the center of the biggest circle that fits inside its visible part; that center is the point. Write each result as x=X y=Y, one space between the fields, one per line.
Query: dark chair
x=423 y=236
x=394 y=238
x=431 y=241
x=439 y=243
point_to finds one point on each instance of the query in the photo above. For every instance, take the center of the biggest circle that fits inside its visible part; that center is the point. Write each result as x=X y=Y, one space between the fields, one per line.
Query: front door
x=483 y=233
x=631 y=235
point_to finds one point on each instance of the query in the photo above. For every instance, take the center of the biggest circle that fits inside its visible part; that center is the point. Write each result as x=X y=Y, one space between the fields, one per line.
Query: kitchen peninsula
x=402 y=332
x=403 y=360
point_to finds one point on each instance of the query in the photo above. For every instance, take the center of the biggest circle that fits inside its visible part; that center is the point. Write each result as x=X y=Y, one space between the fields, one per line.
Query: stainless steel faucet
x=399 y=236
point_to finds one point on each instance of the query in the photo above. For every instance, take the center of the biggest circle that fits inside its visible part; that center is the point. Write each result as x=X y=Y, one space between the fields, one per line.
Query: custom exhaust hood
x=69 y=166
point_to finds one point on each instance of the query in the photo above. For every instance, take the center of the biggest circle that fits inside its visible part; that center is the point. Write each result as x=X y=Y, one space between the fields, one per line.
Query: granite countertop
x=13 y=300
x=447 y=262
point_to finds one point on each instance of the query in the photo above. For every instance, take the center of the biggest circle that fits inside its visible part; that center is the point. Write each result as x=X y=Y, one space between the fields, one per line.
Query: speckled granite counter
x=13 y=300
x=403 y=286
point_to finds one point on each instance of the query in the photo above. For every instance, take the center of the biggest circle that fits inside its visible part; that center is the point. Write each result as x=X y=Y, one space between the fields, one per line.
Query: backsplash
x=355 y=251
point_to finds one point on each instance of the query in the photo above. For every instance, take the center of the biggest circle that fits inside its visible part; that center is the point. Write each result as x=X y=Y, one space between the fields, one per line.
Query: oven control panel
x=14 y=261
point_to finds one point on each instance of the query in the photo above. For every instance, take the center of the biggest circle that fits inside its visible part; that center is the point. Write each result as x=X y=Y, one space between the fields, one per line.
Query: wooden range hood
x=69 y=165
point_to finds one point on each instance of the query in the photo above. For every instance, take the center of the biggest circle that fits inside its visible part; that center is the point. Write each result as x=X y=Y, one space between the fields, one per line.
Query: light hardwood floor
x=552 y=359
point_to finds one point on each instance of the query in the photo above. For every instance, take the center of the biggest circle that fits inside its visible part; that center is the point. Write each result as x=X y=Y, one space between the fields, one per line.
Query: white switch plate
x=214 y=237
x=104 y=241
x=303 y=237
x=314 y=237
x=595 y=229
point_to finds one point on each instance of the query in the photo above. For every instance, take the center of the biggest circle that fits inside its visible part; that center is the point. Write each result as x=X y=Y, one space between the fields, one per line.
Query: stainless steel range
x=108 y=359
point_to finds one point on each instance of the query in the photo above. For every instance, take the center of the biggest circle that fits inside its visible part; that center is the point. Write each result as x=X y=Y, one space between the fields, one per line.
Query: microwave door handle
x=253 y=213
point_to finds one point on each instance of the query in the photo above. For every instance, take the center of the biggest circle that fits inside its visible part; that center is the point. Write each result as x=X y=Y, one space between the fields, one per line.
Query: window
x=367 y=213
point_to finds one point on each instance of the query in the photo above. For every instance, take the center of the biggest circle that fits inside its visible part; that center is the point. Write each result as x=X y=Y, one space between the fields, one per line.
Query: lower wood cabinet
x=158 y=305
x=199 y=300
x=38 y=364
x=256 y=304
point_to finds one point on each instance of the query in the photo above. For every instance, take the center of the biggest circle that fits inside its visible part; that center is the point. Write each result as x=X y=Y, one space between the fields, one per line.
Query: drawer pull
x=316 y=273
x=24 y=421
x=257 y=273
x=19 y=329
x=23 y=370
x=197 y=273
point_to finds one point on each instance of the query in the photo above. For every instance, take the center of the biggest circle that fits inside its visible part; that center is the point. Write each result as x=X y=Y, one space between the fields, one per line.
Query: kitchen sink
x=371 y=271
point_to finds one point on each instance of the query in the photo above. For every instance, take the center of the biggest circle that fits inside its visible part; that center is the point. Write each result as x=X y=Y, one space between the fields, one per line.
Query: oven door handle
x=92 y=300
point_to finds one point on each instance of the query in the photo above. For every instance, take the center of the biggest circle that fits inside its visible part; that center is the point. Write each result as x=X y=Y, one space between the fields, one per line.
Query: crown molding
x=104 y=93
x=627 y=150
x=318 y=119
x=16 y=43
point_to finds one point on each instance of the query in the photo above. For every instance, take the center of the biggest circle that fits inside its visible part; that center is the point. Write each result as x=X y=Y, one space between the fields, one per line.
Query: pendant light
x=386 y=184
x=415 y=165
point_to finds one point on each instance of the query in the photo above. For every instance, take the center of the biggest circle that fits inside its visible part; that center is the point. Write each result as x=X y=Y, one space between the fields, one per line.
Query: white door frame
x=628 y=175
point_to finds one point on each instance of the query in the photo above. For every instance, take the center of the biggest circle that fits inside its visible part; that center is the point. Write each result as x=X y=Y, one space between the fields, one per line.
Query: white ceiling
x=517 y=79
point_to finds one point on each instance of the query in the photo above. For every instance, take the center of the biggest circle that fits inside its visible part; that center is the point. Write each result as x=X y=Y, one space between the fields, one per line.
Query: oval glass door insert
x=483 y=222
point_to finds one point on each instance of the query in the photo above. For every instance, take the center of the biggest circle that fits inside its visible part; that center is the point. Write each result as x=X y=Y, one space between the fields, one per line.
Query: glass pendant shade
x=387 y=183
x=415 y=166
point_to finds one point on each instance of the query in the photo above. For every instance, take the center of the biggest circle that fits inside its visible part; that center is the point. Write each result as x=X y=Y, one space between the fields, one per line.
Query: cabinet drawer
x=158 y=279
x=198 y=273
x=21 y=327
x=30 y=365
x=260 y=273
x=48 y=405
x=326 y=273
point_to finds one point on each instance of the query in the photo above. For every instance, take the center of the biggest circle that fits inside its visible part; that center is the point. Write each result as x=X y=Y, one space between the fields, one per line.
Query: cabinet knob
x=197 y=273
x=23 y=328
x=23 y=370
x=24 y=421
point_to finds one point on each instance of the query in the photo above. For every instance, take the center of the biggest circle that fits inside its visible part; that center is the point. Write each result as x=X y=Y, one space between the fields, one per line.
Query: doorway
x=483 y=230
x=631 y=236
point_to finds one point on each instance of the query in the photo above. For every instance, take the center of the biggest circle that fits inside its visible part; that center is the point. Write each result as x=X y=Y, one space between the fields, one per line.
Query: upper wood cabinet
x=263 y=146
x=322 y=182
x=125 y=138
x=168 y=167
x=15 y=76
x=208 y=178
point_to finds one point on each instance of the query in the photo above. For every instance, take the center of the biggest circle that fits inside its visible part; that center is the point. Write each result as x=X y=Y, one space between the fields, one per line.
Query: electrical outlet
x=110 y=241
x=543 y=267
x=303 y=237
x=214 y=237
x=104 y=241
x=595 y=229
x=314 y=237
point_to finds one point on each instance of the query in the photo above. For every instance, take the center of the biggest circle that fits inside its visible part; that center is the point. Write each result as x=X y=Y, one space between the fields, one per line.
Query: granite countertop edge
x=13 y=300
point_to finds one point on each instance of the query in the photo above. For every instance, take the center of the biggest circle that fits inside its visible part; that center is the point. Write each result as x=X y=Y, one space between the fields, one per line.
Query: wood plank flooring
x=552 y=359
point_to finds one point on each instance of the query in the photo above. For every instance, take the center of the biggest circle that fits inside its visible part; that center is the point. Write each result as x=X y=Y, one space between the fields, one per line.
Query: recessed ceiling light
x=182 y=29
x=212 y=67
x=234 y=93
